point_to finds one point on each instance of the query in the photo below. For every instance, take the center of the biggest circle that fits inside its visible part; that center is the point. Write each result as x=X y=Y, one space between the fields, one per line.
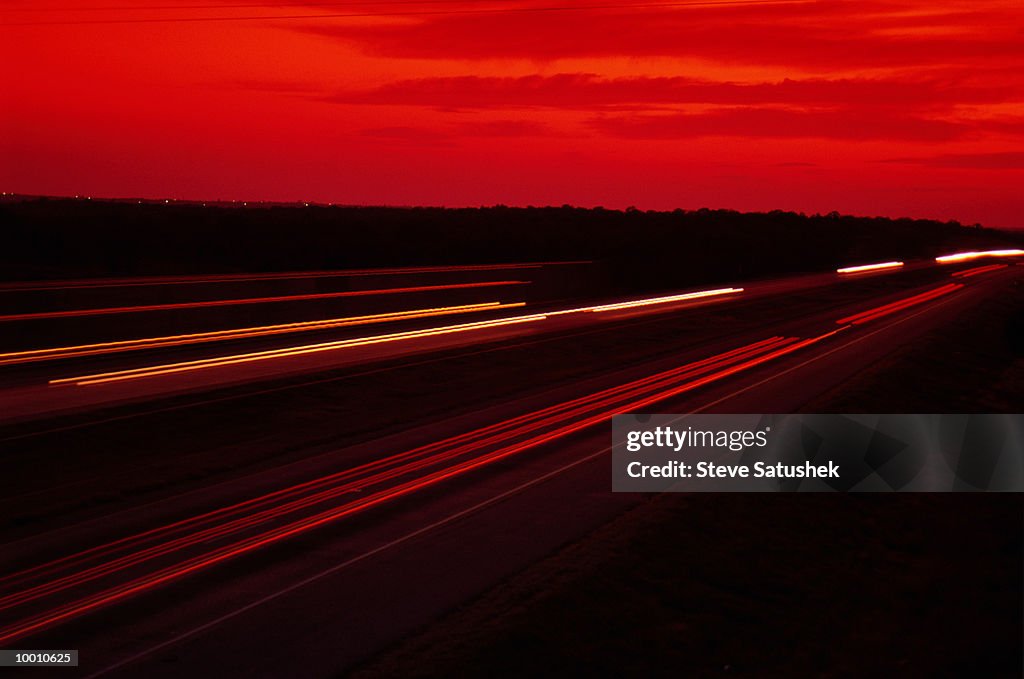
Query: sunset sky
x=896 y=108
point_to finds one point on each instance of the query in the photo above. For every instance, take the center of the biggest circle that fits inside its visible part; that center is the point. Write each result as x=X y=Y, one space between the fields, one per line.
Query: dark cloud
x=765 y=123
x=588 y=91
x=1008 y=160
x=819 y=36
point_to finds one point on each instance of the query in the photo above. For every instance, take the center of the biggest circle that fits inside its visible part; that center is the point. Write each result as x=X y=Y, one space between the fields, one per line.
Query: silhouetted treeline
x=63 y=238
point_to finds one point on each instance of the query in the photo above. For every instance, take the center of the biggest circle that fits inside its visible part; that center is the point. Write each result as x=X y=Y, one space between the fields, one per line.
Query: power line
x=414 y=13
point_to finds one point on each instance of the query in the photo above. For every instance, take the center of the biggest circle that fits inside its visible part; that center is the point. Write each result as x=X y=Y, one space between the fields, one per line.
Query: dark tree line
x=61 y=238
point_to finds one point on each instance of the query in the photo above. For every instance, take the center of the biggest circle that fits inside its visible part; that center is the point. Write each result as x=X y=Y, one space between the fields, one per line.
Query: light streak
x=419 y=457
x=149 y=281
x=664 y=300
x=73 y=313
x=150 y=371
x=870 y=267
x=565 y=419
x=899 y=305
x=967 y=273
x=184 y=366
x=241 y=333
x=965 y=256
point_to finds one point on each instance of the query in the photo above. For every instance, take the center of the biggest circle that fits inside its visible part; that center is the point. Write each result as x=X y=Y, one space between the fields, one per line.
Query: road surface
x=295 y=515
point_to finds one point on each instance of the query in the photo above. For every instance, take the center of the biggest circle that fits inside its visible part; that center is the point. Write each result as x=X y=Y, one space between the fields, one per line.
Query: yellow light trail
x=665 y=300
x=184 y=366
x=870 y=267
x=99 y=378
x=240 y=333
x=965 y=256
x=650 y=301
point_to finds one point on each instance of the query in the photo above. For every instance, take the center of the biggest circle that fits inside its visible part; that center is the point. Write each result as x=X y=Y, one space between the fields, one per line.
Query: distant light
x=870 y=267
x=166 y=201
x=965 y=256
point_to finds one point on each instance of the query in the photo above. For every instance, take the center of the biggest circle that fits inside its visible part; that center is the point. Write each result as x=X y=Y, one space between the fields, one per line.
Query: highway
x=248 y=505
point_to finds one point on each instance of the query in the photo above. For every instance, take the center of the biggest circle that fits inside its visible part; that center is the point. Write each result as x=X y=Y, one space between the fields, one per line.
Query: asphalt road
x=316 y=556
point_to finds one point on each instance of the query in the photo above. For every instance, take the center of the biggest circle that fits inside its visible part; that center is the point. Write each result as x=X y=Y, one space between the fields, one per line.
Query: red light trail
x=149 y=281
x=455 y=456
x=886 y=309
x=976 y=271
x=252 y=300
x=207 y=539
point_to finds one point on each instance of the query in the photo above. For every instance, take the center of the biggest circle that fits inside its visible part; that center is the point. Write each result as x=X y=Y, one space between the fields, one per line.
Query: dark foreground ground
x=766 y=585
x=531 y=566
x=973 y=365
x=780 y=585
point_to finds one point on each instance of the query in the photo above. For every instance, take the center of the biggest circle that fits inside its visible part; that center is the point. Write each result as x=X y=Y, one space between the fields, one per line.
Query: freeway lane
x=813 y=367
x=214 y=437
x=235 y=363
x=151 y=281
x=253 y=524
x=237 y=433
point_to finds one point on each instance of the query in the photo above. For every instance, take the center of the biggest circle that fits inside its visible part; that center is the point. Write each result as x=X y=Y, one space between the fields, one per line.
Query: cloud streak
x=817 y=36
x=900 y=107
x=585 y=91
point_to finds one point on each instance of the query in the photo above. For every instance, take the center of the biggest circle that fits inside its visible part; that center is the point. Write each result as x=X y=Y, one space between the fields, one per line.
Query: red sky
x=898 y=108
